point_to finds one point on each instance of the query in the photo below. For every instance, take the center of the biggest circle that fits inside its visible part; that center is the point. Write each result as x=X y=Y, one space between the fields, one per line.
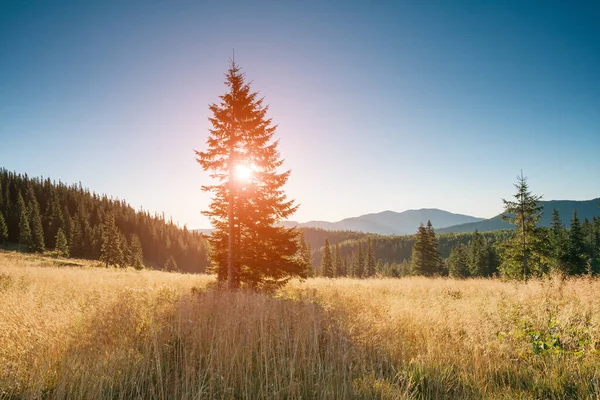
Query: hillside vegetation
x=69 y=329
x=35 y=212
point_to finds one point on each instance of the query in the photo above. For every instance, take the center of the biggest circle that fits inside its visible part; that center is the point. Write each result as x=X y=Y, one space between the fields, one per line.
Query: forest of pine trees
x=39 y=215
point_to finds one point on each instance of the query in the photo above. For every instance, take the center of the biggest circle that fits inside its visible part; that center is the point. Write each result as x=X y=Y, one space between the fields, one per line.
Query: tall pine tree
x=111 y=252
x=61 y=245
x=327 y=261
x=576 y=256
x=35 y=223
x=248 y=247
x=435 y=259
x=338 y=265
x=458 y=262
x=3 y=228
x=24 y=228
x=371 y=267
x=524 y=254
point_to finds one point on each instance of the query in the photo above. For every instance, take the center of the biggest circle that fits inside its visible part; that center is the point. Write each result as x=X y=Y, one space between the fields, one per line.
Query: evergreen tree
x=171 y=265
x=137 y=253
x=125 y=251
x=3 y=228
x=326 y=261
x=62 y=248
x=419 y=261
x=24 y=229
x=371 y=266
x=558 y=243
x=459 y=262
x=53 y=219
x=433 y=254
x=35 y=223
x=248 y=247
x=359 y=263
x=76 y=239
x=305 y=254
x=523 y=255
x=576 y=257
x=338 y=265
x=478 y=256
x=111 y=252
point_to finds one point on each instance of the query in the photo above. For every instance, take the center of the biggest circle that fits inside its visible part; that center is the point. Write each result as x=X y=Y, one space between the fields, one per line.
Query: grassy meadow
x=72 y=329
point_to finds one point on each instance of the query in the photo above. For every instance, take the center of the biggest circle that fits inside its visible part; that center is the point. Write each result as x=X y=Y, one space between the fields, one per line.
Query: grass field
x=70 y=329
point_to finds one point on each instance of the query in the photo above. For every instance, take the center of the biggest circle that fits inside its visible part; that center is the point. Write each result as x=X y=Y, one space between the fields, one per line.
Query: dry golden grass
x=89 y=332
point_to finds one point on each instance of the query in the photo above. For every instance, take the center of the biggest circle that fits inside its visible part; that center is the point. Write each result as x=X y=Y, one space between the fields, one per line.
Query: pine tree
x=24 y=228
x=111 y=252
x=558 y=243
x=137 y=253
x=76 y=239
x=35 y=224
x=53 y=219
x=125 y=251
x=247 y=245
x=326 y=261
x=478 y=256
x=371 y=266
x=171 y=265
x=305 y=254
x=62 y=248
x=3 y=229
x=338 y=265
x=359 y=263
x=436 y=264
x=576 y=257
x=419 y=258
x=458 y=262
x=524 y=254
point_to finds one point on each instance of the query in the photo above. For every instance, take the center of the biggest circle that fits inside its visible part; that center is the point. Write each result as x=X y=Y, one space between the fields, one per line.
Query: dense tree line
x=392 y=256
x=38 y=215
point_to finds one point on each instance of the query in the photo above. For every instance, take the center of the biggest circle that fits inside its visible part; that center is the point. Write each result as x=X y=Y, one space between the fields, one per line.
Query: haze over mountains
x=391 y=222
x=407 y=222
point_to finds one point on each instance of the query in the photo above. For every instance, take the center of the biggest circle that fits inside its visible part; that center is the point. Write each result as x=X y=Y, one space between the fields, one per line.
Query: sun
x=243 y=173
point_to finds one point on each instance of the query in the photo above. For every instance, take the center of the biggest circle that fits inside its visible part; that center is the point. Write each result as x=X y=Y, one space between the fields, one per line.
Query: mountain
x=585 y=209
x=390 y=222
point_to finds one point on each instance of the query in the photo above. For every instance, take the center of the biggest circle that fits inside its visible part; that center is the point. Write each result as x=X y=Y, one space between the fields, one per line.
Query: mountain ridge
x=585 y=209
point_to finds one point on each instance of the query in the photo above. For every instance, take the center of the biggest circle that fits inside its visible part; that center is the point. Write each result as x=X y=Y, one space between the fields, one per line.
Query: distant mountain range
x=407 y=222
x=585 y=209
x=391 y=222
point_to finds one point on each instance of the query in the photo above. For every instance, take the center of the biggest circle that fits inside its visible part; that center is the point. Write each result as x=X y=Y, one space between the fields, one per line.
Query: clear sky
x=394 y=105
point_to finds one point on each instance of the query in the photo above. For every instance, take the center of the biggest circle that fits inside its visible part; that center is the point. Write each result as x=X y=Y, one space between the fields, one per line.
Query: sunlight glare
x=243 y=173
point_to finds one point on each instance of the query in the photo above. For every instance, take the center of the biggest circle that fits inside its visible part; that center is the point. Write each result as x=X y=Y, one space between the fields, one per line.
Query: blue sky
x=380 y=106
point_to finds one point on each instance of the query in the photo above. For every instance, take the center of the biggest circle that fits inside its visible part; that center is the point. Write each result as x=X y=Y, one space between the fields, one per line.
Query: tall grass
x=88 y=332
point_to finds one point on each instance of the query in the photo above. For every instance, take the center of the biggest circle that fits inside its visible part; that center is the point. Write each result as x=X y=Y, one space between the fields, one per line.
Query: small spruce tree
x=371 y=269
x=576 y=256
x=35 y=224
x=111 y=251
x=3 y=229
x=136 y=253
x=458 y=262
x=171 y=265
x=327 y=261
x=338 y=265
x=62 y=247
x=24 y=229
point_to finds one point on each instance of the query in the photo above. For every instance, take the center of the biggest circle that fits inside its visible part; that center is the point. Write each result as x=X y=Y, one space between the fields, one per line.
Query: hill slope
x=585 y=209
